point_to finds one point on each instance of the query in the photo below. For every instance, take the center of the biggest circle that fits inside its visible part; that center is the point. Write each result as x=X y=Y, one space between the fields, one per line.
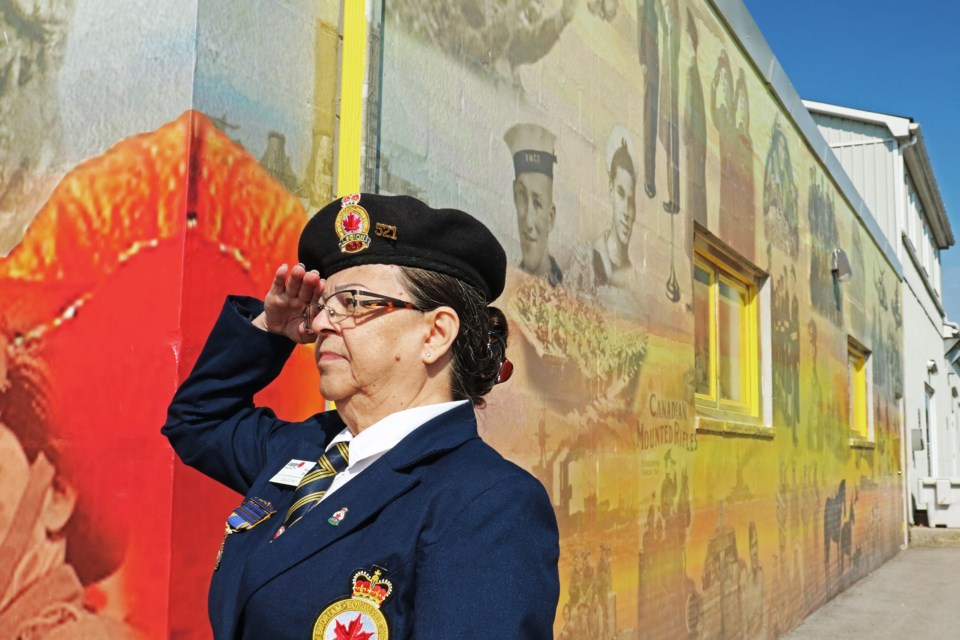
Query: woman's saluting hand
x=293 y=288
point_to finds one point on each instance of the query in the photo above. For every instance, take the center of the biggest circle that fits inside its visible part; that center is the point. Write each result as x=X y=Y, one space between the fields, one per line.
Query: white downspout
x=906 y=459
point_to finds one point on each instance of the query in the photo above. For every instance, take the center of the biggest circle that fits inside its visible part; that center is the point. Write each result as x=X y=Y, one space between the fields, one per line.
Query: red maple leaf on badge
x=354 y=631
x=351 y=222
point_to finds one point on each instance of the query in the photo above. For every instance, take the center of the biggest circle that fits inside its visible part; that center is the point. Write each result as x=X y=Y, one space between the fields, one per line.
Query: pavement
x=913 y=595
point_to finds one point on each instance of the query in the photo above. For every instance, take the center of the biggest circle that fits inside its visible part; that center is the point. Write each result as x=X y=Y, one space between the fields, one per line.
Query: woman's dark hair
x=480 y=347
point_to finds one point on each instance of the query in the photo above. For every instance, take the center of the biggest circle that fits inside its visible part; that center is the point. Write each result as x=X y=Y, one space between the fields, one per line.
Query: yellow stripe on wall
x=352 y=75
x=353 y=70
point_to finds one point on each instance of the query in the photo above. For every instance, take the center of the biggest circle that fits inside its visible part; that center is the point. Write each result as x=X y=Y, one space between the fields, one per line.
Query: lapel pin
x=338 y=516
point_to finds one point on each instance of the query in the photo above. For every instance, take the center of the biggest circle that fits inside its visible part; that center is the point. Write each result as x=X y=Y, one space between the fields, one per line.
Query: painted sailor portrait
x=532 y=149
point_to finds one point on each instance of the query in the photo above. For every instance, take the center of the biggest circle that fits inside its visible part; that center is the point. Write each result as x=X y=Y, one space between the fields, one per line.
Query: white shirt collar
x=382 y=436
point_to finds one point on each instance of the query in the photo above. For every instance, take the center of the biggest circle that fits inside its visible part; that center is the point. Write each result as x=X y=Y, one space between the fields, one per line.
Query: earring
x=427 y=354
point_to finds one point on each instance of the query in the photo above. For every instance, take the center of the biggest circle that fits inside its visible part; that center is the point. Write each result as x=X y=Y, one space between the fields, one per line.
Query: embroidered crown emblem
x=371 y=587
x=352 y=225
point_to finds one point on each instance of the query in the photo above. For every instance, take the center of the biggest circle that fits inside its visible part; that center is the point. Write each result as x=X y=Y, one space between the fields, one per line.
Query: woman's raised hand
x=293 y=288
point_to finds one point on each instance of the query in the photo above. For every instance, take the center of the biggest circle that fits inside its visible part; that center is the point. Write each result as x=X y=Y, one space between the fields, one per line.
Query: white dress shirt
x=370 y=444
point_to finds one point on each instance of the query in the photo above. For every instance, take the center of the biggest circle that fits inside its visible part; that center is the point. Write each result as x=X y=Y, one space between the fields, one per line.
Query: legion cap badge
x=353 y=225
x=358 y=616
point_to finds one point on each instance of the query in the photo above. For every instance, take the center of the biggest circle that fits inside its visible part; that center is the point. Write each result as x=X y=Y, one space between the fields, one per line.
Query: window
x=936 y=272
x=726 y=336
x=859 y=419
x=914 y=212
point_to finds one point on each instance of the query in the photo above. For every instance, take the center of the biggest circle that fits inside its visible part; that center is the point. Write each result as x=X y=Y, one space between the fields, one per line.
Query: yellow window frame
x=857 y=371
x=724 y=270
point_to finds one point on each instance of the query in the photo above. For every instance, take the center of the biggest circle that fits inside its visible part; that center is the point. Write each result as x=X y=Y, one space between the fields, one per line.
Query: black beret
x=376 y=229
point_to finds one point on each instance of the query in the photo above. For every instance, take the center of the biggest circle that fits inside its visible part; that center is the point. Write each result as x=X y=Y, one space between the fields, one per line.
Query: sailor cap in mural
x=532 y=148
x=365 y=228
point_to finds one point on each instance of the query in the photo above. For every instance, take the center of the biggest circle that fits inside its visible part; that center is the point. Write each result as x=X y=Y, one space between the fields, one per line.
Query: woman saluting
x=389 y=516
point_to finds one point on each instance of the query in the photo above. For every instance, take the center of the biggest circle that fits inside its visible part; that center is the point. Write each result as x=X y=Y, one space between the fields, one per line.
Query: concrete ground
x=914 y=595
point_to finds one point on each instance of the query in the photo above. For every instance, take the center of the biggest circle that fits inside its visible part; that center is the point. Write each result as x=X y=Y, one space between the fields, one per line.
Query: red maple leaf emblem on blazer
x=351 y=222
x=354 y=631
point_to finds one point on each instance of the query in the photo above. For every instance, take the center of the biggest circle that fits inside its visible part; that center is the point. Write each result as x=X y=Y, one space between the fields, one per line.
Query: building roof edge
x=925 y=181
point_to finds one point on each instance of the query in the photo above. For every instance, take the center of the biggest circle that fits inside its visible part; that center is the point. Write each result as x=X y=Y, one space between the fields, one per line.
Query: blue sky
x=887 y=56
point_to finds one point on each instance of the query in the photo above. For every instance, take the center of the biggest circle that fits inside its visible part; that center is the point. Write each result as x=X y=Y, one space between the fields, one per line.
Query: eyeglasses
x=344 y=304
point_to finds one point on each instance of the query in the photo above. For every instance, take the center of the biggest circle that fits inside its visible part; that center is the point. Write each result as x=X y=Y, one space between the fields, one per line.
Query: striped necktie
x=314 y=485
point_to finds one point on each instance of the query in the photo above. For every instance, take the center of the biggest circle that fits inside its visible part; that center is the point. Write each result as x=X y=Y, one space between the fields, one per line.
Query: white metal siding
x=867 y=152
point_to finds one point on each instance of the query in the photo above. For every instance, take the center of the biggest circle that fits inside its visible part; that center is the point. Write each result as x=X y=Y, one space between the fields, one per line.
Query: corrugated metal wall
x=865 y=151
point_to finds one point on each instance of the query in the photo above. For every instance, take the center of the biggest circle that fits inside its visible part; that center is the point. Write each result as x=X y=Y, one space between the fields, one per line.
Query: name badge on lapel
x=358 y=616
x=292 y=472
x=249 y=514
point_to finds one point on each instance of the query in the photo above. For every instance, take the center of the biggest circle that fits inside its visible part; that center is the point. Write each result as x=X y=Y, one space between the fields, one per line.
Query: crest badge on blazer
x=358 y=616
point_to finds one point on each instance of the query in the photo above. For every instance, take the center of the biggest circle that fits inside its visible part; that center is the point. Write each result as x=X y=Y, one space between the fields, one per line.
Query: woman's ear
x=442 y=328
x=58 y=504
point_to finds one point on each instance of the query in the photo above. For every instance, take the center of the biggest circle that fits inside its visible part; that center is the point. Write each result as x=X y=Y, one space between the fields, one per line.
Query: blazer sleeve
x=212 y=422
x=493 y=573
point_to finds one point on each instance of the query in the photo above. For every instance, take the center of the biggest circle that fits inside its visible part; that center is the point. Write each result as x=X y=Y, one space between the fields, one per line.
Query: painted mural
x=600 y=139
x=108 y=276
x=603 y=141
x=30 y=139
x=125 y=218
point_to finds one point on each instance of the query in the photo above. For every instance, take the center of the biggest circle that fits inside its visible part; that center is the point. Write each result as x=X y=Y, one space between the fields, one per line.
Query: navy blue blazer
x=468 y=540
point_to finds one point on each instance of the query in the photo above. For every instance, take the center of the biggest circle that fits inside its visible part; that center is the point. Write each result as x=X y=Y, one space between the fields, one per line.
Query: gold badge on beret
x=358 y=616
x=353 y=225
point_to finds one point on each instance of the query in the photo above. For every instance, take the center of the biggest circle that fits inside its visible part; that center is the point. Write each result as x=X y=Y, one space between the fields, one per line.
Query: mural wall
x=152 y=160
x=603 y=141
x=600 y=139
